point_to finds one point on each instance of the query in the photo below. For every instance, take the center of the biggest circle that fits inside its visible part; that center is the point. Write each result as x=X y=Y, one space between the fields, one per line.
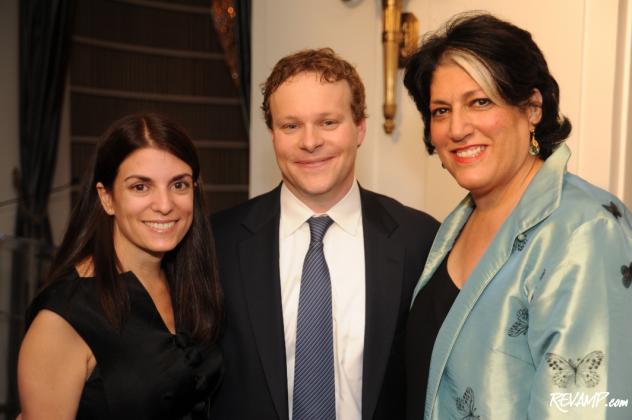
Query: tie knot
x=318 y=227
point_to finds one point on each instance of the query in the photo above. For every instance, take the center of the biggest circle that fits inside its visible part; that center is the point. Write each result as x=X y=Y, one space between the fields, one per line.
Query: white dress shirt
x=344 y=253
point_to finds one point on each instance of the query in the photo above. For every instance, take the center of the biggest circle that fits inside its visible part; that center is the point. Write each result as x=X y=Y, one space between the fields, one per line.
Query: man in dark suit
x=374 y=250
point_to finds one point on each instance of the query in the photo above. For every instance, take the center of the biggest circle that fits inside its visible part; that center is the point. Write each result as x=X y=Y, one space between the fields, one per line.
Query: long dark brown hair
x=190 y=267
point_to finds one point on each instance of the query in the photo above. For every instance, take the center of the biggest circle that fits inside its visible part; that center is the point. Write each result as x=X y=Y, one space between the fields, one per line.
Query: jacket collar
x=540 y=199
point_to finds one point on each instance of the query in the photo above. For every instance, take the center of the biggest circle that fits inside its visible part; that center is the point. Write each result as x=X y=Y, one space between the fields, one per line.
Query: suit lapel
x=383 y=270
x=259 y=263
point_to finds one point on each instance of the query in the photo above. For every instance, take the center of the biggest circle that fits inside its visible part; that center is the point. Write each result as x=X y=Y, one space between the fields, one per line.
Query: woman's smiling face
x=151 y=201
x=483 y=144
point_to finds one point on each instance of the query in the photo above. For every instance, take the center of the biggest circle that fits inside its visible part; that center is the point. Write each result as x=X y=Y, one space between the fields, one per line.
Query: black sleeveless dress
x=430 y=308
x=143 y=371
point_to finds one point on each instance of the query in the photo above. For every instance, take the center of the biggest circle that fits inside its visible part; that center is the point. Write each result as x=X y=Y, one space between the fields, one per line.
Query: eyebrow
x=325 y=114
x=286 y=118
x=467 y=94
x=147 y=179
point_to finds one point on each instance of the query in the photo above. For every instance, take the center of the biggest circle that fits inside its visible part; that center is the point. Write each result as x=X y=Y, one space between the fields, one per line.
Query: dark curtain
x=242 y=39
x=45 y=30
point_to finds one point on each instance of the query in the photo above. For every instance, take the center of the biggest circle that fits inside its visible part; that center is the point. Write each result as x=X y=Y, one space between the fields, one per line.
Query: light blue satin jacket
x=542 y=328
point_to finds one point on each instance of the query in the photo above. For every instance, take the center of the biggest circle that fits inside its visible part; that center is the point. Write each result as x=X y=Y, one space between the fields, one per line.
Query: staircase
x=132 y=56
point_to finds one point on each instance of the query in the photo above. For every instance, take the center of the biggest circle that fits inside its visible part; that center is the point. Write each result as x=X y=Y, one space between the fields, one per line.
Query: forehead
x=464 y=68
x=451 y=79
x=153 y=163
x=306 y=92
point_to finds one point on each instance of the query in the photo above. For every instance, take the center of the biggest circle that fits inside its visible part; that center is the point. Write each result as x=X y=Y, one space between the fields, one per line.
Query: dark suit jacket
x=396 y=241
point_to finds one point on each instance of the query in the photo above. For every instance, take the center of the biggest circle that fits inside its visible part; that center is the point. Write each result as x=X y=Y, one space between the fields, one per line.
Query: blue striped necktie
x=314 y=380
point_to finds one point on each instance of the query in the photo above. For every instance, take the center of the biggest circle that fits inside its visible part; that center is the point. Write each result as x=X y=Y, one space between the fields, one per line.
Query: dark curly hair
x=324 y=62
x=504 y=54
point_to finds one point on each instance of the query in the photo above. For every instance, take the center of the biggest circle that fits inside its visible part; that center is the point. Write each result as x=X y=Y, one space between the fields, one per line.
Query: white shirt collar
x=346 y=213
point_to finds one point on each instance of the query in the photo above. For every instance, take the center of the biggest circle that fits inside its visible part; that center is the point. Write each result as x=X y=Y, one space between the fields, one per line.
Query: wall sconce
x=400 y=38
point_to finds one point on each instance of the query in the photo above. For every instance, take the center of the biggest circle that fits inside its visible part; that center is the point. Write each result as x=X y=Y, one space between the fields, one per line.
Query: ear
x=534 y=108
x=106 y=199
x=361 y=125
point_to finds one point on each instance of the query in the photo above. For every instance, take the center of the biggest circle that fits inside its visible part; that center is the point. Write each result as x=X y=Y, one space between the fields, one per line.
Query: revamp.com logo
x=564 y=401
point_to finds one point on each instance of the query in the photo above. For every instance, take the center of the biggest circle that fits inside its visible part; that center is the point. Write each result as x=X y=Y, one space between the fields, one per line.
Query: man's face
x=315 y=138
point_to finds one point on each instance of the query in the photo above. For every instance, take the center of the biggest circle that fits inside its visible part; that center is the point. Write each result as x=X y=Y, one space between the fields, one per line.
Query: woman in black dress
x=126 y=325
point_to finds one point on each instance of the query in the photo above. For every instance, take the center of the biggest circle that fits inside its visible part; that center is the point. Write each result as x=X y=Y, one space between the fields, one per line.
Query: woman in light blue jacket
x=525 y=304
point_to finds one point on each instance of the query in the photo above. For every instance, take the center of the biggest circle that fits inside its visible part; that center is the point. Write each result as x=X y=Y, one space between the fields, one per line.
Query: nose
x=311 y=138
x=162 y=201
x=460 y=125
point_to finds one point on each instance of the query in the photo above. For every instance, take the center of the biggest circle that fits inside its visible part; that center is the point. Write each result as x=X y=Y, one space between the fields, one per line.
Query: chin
x=470 y=180
x=315 y=187
x=162 y=247
x=471 y=184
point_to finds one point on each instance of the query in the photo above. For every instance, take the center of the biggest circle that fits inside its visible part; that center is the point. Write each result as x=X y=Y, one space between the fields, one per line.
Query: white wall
x=579 y=40
x=621 y=174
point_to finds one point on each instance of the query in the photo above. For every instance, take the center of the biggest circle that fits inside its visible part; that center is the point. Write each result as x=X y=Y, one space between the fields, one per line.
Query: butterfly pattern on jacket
x=521 y=326
x=465 y=405
x=612 y=208
x=565 y=370
x=627 y=275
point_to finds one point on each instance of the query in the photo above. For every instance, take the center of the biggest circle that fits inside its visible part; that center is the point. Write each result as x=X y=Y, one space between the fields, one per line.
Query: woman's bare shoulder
x=53 y=364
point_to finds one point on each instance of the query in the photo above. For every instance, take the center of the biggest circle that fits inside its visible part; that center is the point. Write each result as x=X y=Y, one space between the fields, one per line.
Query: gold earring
x=534 y=146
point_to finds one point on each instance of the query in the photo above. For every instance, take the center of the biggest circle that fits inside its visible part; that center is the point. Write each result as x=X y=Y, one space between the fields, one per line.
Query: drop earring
x=534 y=146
